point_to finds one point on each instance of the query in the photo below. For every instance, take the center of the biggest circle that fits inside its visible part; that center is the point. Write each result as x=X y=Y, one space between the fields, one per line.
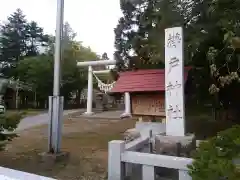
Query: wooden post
x=16 y=98
x=35 y=99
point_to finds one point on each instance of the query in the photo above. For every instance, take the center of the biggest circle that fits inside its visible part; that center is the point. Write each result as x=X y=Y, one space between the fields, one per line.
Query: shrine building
x=146 y=89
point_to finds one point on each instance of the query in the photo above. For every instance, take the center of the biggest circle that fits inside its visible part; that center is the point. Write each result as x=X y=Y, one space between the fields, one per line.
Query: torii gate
x=89 y=111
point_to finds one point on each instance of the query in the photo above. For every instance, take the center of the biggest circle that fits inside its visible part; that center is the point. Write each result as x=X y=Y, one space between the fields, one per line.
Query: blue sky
x=93 y=20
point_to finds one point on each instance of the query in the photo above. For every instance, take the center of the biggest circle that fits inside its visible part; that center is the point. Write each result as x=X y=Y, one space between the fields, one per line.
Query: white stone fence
x=10 y=174
x=121 y=154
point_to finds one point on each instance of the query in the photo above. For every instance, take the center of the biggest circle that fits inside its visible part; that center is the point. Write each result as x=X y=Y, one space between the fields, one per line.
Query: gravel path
x=41 y=119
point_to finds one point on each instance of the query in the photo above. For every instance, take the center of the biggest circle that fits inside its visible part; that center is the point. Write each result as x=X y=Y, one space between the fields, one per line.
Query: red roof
x=142 y=81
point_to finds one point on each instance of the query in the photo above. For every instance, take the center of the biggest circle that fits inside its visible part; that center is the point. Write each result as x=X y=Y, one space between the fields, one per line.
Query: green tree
x=8 y=123
x=18 y=39
x=139 y=35
x=215 y=30
x=74 y=79
x=35 y=39
x=105 y=56
x=13 y=36
x=38 y=70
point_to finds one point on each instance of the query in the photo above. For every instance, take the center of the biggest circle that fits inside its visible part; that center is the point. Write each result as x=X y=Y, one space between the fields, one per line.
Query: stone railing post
x=115 y=166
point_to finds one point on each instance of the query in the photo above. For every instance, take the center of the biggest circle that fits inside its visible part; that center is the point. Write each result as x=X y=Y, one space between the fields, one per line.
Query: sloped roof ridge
x=143 y=71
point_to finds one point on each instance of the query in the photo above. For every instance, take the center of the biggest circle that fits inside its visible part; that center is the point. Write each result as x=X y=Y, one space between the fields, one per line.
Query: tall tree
x=139 y=35
x=68 y=33
x=105 y=56
x=18 y=39
x=13 y=36
x=215 y=32
x=35 y=39
x=38 y=70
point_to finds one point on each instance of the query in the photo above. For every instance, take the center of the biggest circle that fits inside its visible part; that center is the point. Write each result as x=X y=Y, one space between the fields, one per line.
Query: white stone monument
x=174 y=82
x=175 y=142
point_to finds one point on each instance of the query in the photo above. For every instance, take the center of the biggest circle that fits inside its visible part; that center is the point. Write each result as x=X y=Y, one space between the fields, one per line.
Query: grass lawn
x=86 y=141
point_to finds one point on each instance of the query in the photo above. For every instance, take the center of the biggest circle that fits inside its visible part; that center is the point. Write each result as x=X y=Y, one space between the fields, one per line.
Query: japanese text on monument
x=174 y=81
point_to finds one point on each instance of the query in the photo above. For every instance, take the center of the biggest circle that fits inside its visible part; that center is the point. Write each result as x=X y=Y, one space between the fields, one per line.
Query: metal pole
x=55 y=101
x=58 y=49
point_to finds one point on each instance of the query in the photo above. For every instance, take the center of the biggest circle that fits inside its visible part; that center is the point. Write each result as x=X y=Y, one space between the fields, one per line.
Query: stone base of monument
x=180 y=146
x=173 y=146
x=49 y=159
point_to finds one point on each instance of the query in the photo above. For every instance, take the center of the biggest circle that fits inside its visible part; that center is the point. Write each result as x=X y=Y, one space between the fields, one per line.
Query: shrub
x=8 y=123
x=214 y=159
